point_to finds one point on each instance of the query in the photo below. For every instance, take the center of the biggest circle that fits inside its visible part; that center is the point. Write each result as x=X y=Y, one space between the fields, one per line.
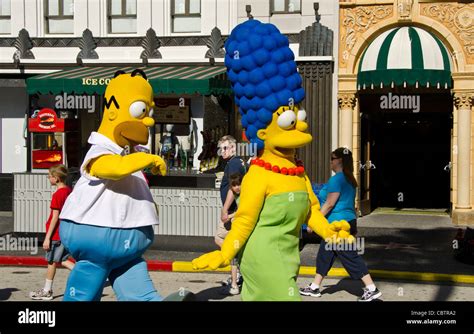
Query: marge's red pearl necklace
x=299 y=170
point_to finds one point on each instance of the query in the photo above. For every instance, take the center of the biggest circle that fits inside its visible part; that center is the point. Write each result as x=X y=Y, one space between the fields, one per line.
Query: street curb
x=186 y=266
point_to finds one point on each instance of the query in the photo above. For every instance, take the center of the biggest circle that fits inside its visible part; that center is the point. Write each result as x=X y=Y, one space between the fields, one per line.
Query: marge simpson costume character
x=106 y=223
x=276 y=195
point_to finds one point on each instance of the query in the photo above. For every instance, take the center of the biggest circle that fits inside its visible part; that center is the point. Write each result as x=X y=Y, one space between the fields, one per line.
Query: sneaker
x=41 y=295
x=307 y=291
x=230 y=290
x=227 y=281
x=370 y=295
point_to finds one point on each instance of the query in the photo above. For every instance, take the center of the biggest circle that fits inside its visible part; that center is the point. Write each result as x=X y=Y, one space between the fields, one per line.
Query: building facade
x=404 y=51
x=40 y=36
x=54 y=47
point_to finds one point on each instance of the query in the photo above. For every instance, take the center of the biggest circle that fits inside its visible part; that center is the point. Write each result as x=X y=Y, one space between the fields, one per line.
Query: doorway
x=406 y=150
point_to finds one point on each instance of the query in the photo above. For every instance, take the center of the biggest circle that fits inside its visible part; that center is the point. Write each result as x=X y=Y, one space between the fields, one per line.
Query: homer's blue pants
x=101 y=253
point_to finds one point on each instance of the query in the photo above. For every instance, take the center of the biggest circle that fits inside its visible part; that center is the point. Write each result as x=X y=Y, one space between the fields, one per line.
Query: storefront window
x=285 y=6
x=59 y=127
x=122 y=16
x=186 y=15
x=59 y=16
x=175 y=133
x=5 y=17
x=48 y=141
x=47 y=149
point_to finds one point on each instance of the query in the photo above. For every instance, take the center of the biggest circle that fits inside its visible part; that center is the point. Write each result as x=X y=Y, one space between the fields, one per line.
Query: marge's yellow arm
x=316 y=221
x=253 y=192
x=116 y=167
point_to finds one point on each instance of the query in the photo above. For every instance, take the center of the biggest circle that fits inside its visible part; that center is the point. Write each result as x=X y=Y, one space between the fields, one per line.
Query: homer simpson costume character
x=276 y=195
x=106 y=222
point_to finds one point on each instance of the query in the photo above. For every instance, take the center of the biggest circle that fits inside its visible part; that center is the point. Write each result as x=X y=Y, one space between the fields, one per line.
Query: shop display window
x=47 y=149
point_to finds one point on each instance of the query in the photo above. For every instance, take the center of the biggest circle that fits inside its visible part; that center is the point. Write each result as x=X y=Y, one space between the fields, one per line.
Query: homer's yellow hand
x=211 y=261
x=116 y=167
x=158 y=166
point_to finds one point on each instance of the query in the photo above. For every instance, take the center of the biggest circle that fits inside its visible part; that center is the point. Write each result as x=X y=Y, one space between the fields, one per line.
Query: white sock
x=48 y=285
x=314 y=286
x=371 y=287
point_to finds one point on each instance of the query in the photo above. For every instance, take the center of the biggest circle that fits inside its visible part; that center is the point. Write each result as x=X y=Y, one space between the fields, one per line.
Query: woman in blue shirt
x=337 y=203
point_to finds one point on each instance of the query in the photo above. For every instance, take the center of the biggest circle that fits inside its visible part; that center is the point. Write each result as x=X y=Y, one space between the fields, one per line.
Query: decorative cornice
x=40 y=42
x=356 y=21
x=315 y=71
x=316 y=40
x=346 y=101
x=463 y=100
x=215 y=43
x=23 y=45
x=404 y=10
x=150 y=44
x=457 y=17
x=55 y=42
x=87 y=45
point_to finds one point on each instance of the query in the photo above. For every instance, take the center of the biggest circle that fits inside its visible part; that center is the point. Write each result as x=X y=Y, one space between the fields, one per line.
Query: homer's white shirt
x=125 y=203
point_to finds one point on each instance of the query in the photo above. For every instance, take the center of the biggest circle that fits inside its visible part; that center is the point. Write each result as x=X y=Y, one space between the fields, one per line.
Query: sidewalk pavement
x=17 y=282
x=403 y=246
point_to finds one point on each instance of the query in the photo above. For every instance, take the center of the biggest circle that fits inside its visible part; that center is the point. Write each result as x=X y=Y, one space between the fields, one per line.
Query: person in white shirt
x=106 y=222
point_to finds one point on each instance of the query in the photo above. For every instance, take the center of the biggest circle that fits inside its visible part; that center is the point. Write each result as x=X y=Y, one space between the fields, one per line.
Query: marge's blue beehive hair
x=263 y=73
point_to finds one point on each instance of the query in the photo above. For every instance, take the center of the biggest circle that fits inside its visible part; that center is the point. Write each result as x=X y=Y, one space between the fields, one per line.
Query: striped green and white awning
x=191 y=79
x=405 y=56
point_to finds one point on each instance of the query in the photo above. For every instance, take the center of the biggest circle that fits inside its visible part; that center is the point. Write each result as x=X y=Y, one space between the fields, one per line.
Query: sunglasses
x=224 y=148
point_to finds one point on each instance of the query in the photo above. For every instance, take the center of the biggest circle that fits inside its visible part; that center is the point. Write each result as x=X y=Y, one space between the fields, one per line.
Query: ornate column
x=347 y=102
x=463 y=102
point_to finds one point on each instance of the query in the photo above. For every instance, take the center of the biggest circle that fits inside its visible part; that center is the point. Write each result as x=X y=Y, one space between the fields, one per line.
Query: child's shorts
x=57 y=253
x=222 y=230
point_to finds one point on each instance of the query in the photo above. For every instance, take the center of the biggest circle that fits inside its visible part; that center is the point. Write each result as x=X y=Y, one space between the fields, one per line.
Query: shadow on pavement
x=6 y=293
x=210 y=294
x=354 y=287
x=443 y=293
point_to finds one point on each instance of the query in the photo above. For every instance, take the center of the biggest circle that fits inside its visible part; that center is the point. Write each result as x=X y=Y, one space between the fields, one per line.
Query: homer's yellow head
x=286 y=132
x=128 y=109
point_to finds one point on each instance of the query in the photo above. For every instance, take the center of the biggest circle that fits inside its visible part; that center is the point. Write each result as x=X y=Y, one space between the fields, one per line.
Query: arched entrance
x=405 y=156
x=406 y=121
x=364 y=21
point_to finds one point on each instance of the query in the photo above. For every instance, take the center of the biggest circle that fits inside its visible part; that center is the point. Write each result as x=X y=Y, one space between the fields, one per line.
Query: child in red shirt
x=55 y=251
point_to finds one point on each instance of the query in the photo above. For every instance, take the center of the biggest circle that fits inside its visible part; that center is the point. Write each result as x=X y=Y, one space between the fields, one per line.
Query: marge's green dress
x=270 y=259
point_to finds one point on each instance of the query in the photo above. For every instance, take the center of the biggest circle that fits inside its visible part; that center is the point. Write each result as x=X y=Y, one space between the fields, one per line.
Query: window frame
x=60 y=16
x=286 y=10
x=187 y=14
x=7 y=18
x=122 y=15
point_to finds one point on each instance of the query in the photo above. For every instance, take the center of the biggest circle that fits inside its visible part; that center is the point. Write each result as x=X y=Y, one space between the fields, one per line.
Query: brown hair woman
x=337 y=203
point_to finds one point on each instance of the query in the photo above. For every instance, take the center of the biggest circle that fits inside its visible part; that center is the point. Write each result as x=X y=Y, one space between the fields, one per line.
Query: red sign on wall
x=46 y=121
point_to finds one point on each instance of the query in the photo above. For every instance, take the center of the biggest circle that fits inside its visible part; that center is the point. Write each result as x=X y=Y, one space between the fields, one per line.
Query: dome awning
x=405 y=56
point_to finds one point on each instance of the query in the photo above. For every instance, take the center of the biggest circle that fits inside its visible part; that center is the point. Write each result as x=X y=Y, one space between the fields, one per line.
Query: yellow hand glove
x=340 y=231
x=210 y=261
x=251 y=202
x=116 y=167
x=158 y=166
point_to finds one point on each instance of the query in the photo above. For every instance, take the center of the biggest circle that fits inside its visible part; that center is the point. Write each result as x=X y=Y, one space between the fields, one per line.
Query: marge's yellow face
x=286 y=132
x=128 y=110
